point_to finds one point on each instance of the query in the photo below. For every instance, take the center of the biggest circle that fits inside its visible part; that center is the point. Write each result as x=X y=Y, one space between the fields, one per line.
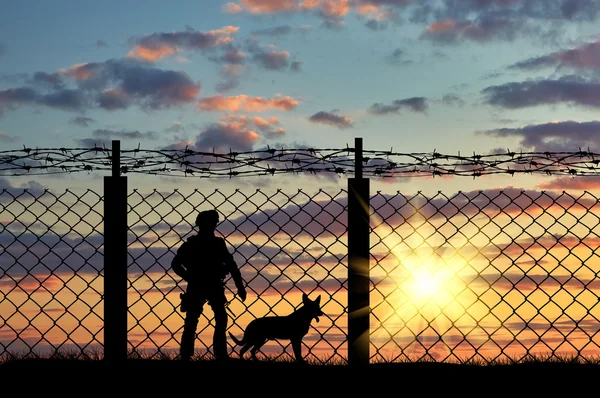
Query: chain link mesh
x=482 y=275
x=51 y=266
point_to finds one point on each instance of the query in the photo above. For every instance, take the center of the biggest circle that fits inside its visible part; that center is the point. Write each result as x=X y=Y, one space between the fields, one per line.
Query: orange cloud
x=364 y=9
x=572 y=183
x=260 y=122
x=151 y=54
x=268 y=6
x=232 y=8
x=441 y=26
x=309 y=4
x=245 y=123
x=160 y=45
x=246 y=103
x=335 y=8
x=78 y=71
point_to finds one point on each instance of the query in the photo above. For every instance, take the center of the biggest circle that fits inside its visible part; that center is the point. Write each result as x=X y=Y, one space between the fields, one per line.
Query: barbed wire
x=271 y=161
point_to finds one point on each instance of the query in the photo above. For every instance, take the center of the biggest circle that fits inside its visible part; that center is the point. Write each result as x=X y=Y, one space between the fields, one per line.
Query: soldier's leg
x=219 y=336
x=188 y=337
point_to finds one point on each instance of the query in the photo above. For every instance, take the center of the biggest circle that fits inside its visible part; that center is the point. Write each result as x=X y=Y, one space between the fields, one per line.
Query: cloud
x=235 y=133
x=227 y=85
x=375 y=25
x=110 y=85
x=82 y=121
x=448 y=21
x=106 y=134
x=160 y=45
x=232 y=8
x=268 y=57
x=275 y=31
x=269 y=128
x=273 y=59
x=398 y=58
x=332 y=119
x=118 y=83
x=296 y=66
x=586 y=56
x=415 y=104
x=530 y=281
x=247 y=103
x=14 y=97
x=484 y=28
x=101 y=43
x=262 y=6
x=66 y=99
x=232 y=57
x=223 y=137
x=587 y=183
x=32 y=187
x=452 y=100
x=566 y=136
x=175 y=127
x=569 y=89
x=47 y=80
x=93 y=142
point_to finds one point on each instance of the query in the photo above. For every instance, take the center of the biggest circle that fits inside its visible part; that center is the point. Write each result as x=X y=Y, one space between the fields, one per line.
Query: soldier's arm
x=178 y=267
x=234 y=272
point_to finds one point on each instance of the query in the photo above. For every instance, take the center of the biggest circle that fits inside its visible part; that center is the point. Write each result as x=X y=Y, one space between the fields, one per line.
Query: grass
x=91 y=357
x=73 y=371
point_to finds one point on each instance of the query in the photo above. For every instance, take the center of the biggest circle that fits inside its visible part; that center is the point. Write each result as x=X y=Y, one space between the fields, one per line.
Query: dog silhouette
x=291 y=327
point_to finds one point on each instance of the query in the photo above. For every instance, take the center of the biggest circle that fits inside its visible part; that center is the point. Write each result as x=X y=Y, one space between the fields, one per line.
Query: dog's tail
x=238 y=342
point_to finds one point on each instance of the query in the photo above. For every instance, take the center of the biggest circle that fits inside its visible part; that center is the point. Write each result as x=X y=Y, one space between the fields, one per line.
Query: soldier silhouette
x=203 y=261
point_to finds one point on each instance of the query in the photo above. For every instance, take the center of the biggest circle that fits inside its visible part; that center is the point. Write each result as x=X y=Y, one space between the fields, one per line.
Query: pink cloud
x=481 y=29
x=260 y=122
x=335 y=8
x=441 y=27
x=79 y=71
x=585 y=56
x=232 y=8
x=151 y=54
x=572 y=183
x=267 y=6
x=160 y=45
x=309 y=4
x=246 y=103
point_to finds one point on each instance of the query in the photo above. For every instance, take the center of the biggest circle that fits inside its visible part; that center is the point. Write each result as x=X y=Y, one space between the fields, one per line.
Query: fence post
x=115 y=261
x=358 y=263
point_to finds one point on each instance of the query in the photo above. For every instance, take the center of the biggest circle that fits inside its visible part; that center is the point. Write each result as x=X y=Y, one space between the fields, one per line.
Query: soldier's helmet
x=207 y=219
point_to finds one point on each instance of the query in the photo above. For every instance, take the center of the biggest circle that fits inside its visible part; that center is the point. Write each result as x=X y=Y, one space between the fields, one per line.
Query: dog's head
x=313 y=306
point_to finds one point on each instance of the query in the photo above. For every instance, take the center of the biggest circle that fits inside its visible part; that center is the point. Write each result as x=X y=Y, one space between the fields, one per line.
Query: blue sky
x=456 y=75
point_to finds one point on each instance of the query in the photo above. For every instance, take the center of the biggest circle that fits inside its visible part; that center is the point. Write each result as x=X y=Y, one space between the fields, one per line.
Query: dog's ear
x=304 y=297
x=318 y=300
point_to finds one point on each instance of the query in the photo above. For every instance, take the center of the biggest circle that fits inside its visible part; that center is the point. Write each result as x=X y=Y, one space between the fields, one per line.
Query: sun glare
x=425 y=285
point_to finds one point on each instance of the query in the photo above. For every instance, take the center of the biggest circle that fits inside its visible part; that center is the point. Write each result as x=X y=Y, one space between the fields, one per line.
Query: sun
x=429 y=284
x=425 y=285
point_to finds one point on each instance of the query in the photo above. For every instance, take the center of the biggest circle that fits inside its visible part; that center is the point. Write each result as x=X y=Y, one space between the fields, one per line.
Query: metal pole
x=115 y=261
x=358 y=263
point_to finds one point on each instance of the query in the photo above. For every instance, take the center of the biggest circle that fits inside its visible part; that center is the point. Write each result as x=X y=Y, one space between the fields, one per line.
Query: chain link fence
x=481 y=275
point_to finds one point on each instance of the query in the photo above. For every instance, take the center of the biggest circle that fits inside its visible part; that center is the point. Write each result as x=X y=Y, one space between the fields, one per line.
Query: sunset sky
x=468 y=76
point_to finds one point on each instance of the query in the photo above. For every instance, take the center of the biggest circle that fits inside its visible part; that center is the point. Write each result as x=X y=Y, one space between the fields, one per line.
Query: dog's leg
x=244 y=349
x=297 y=346
x=257 y=346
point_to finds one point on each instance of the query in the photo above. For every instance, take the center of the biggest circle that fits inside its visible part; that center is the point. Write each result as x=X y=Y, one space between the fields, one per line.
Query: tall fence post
x=358 y=263
x=115 y=261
